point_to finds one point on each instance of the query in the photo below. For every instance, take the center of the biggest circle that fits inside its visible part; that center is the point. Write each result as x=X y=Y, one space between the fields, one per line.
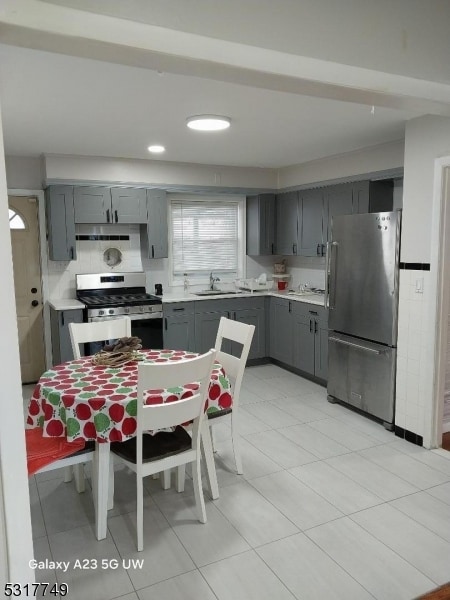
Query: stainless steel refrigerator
x=362 y=266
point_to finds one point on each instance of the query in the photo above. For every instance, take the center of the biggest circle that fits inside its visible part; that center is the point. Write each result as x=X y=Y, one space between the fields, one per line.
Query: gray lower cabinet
x=310 y=339
x=252 y=312
x=179 y=325
x=246 y=310
x=59 y=326
x=155 y=239
x=299 y=336
x=207 y=317
x=59 y=204
x=281 y=332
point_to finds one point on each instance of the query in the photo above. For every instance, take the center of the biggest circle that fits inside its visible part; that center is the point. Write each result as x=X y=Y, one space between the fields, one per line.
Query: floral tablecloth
x=78 y=399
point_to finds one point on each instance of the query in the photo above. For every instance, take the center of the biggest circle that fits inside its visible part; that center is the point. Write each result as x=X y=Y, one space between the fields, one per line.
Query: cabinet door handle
x=294 y=248
x=318 y=249
x=178 y=309
x=315 y=326
x=62 y=318
x=290 y=307
x=153 y=251
x=310 y=326
x=165 y=323
x=313 y=312
x=71 y=252
x=107 y=215
x=117 y=217
x=272 y=248
x=324 y=249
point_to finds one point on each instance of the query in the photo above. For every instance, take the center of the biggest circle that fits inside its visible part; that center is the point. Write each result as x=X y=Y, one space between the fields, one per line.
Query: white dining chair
x=84 y=333
x=234 y=367
x=147 y=454
x=98 y=331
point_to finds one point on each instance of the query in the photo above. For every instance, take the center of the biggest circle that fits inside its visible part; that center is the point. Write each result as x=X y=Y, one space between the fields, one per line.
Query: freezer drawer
x=362 y=374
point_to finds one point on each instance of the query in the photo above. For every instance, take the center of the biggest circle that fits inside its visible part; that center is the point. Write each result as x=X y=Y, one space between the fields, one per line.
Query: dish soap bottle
x=186 y=283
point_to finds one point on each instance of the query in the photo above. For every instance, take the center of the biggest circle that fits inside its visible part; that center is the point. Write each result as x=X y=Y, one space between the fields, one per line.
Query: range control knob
x=126 y=310
x=111 y=311
x=101 y=312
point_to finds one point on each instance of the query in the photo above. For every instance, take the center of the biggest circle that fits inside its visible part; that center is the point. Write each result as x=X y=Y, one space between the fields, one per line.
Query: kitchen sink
x=213 y=293
x=306 y=293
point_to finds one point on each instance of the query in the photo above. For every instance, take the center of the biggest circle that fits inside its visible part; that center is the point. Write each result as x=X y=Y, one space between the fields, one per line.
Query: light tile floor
x=330 y=506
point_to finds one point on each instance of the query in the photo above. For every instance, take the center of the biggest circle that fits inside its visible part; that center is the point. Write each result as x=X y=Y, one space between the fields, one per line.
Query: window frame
x=177 y=280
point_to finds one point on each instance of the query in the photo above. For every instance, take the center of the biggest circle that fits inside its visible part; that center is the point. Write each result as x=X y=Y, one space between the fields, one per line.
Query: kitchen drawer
x=306 y=311
x=177 y=308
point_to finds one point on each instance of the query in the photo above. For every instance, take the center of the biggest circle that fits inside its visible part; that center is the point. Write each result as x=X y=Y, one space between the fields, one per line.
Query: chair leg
x=165 y=479
x=212 y=430
x=140 y=513
x=235 y=440
x=198 y=490
x=181 y=476
x=208 y=457
x=79 y=477
x=67 y=474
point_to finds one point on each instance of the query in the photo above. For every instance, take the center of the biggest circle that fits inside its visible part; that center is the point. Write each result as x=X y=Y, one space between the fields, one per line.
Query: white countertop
x=71 y=304
x=318 y=299
x=65 y=304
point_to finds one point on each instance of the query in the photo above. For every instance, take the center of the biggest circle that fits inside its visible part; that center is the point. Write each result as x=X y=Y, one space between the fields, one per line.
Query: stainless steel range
x=112 y=295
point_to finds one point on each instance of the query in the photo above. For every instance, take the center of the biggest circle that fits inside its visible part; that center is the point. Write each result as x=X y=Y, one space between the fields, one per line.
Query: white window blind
x=205 y=237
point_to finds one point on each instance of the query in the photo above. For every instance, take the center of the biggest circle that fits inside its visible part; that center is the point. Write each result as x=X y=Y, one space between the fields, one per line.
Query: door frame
x=40 y=197
x=440 y=292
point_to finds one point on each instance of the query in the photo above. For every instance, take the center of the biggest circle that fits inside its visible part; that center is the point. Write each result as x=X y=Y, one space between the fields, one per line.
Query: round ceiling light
x=156 y=149
x=208 y=123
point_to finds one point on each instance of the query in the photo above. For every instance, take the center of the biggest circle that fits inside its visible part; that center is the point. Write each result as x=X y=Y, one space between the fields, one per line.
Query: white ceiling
x=54 y=103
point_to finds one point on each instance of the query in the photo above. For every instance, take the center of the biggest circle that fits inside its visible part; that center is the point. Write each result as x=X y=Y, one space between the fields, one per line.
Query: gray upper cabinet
x=261 y=225
x=92 y=204
x=338 y=201
x=286 y=223
x=129 y=205
x=59 y=204
x=310 y=225
x=156 y=241
x=110 y=205
x=361 y=197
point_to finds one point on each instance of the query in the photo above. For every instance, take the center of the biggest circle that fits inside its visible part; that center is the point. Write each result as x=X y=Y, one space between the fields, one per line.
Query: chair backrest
x=157 y=376
x=98 y=331
x=234 y=366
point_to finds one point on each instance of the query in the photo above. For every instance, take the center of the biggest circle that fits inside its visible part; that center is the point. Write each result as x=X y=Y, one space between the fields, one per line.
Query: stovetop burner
x=118 y=290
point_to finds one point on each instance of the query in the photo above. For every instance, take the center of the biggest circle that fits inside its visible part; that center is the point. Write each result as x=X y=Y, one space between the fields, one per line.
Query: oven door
x=147 y=327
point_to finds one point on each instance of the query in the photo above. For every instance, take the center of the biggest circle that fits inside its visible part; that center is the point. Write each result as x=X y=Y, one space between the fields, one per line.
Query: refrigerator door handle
x=345 y=343
x=329 y=255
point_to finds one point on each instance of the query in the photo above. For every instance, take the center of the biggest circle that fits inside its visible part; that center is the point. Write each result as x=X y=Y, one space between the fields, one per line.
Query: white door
x=23 y=213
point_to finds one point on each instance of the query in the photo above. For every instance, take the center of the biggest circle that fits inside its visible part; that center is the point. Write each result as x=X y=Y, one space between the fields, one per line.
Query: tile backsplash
x=90 y=256
x=93 y=240
x=302 y=269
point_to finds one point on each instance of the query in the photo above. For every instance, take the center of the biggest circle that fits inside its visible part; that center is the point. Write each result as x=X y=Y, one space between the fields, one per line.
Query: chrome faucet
x=212 y=281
